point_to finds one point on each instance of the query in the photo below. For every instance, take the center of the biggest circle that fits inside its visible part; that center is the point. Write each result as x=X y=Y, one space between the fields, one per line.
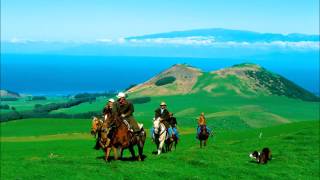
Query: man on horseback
x=163 y=113
x=124 y=109
x=202 y=122
x=173 y=124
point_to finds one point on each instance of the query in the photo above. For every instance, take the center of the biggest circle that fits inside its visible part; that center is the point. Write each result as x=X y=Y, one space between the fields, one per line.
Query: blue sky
x=84 y=20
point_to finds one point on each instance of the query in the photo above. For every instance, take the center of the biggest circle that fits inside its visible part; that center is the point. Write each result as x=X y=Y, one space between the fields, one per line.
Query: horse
x=122 y=138
x=100 y=127
x=169 y=142
x=203 y=135
x=160 y=134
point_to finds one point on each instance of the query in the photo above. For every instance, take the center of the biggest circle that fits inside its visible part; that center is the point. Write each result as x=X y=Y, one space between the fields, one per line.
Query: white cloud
x=210 y=41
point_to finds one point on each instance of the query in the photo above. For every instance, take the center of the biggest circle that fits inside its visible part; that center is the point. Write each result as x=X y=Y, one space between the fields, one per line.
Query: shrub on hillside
x=8 y=99
x=92 y=95
x=4 y=106
x=129 y=87
x=165 y=80
x=54 y=106
x=140 y=100
x=37 y=98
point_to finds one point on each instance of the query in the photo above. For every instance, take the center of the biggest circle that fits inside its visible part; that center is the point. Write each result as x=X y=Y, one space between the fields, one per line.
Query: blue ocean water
x=63 y=75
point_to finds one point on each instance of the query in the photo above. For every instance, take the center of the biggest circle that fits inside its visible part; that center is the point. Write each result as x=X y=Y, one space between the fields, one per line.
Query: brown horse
x=203 y=135
x=122 y=138
x=100 y=127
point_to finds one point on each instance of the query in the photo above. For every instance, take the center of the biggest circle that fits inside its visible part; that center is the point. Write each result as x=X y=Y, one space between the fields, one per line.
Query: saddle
x=129 y=127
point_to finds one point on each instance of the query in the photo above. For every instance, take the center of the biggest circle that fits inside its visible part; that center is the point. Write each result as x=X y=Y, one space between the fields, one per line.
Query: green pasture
x=224 y=112
x=23 y=104
x=62 y=149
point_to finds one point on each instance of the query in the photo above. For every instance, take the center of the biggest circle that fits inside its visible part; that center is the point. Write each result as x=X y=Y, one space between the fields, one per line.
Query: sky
x=84 y=20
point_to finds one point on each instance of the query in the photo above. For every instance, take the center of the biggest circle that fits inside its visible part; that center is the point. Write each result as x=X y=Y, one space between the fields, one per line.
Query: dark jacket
x=126 y=109
x=173 y=122
x=164 y=116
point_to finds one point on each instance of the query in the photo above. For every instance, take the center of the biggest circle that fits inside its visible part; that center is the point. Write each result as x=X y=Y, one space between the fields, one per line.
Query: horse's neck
x=162 y=127
x=204 y=130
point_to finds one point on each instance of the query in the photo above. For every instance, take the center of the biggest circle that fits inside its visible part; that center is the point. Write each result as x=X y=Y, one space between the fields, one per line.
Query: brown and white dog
x=263 y=157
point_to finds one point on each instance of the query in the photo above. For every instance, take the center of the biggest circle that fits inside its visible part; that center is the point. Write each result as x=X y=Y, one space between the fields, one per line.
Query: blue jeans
x=169 y=131
x=176 y=132
x=152 y=132
x=199 y=129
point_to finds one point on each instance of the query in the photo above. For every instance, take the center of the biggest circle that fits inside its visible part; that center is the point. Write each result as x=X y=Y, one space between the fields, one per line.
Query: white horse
x=160 y=134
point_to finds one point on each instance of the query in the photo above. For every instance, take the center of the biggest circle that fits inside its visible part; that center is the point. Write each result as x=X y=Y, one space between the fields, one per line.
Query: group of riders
x=124 y=109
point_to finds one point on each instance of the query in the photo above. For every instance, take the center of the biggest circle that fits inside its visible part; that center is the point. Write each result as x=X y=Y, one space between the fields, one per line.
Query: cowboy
x=173 y=124
x=124 y=109
x=202 y=122
x=163 y=113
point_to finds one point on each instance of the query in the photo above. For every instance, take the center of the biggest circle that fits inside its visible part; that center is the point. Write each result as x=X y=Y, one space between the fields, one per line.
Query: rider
x=107 y=112
x=124 y=109
x=202 y=122
x=173 y=123
x=163 y=113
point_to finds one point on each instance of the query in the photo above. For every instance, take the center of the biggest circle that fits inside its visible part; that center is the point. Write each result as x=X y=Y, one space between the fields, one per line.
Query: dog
x=263 y=157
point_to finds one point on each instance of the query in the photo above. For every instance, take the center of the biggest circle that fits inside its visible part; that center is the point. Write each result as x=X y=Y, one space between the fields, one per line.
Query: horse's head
x=96 y=123
x=156 y=125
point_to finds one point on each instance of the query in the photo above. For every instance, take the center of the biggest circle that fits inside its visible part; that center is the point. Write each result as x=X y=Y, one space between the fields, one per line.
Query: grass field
x=22 y=104
x=96 y=105
x=62 y=149
x=224 y=112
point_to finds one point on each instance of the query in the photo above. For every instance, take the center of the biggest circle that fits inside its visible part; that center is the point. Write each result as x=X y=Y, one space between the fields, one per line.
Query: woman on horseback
x=202 y=122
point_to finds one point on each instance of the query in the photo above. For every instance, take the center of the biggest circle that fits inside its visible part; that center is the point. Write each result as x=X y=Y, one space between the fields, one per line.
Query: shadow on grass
x=128 y=159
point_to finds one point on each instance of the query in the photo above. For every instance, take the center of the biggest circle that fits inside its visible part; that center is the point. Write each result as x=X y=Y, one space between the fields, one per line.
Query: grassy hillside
x=224 y=112
x=33 y=152
x=96 y=105
x=246 y=80
x=23 y=104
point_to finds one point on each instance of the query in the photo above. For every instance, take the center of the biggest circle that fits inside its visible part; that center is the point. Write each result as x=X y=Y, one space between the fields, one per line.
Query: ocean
x=65 y=75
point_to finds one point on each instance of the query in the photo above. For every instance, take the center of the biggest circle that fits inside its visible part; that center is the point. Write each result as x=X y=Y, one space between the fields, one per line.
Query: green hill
x=231 y=98
x=246 y=80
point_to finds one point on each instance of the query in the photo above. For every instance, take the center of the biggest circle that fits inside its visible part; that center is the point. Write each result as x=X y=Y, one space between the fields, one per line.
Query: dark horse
x=121 y=138
x=203 y=135
x=170 y=142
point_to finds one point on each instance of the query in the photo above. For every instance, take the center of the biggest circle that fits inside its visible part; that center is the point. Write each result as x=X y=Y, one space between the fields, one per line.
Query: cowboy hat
x=121 y=95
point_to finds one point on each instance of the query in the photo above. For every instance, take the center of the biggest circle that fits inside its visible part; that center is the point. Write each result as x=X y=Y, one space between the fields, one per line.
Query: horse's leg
x=115 y=152
x=175 y=144
x=121 y=152
x=171 y=145
x=132 y=152
x=140 y=149
x=200 y=143
x=205 y=142
x=107 y=153
x=166 y=145
x=161 y=139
